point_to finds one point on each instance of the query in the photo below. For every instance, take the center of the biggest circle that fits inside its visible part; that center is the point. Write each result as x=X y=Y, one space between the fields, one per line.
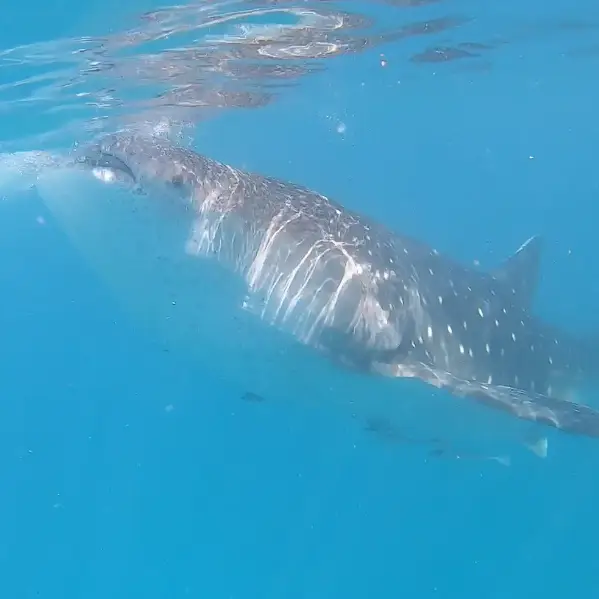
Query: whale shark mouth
x=102 y=161
x=107 y=168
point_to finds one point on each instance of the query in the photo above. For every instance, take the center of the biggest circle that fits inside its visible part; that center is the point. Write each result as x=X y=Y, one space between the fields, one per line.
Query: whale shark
x=379 y=304
x=369 y=298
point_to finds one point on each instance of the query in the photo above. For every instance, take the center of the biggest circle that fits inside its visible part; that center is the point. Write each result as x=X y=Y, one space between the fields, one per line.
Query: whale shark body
x=372 y=300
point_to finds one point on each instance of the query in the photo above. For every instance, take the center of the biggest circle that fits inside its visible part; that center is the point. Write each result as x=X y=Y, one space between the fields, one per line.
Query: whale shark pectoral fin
x=520 y=272
x=565 y=415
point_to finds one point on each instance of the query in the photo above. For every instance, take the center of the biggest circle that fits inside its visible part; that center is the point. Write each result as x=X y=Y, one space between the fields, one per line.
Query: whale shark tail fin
x=520 y=272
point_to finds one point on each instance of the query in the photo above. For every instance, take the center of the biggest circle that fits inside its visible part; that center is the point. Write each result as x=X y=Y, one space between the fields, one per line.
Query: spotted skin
x=370 y=298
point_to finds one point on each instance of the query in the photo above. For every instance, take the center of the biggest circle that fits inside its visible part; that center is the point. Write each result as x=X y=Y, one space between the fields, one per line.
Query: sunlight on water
x=189 y=61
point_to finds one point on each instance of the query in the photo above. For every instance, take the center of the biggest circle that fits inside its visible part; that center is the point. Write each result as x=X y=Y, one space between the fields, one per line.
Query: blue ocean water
x=132 y=471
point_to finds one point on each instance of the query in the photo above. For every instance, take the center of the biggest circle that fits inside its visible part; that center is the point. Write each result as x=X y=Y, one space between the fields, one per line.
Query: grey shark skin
x=368 y=297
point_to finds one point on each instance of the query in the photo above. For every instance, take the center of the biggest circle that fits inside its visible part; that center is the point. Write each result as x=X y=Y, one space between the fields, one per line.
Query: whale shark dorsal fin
x=520 y=272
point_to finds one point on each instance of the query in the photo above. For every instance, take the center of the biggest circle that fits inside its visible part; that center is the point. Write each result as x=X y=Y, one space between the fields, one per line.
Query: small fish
x=440 y=452
x=441 y=449
x=252 y=397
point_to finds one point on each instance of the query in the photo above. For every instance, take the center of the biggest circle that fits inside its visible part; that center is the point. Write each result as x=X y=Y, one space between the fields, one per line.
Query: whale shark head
x=141 y=162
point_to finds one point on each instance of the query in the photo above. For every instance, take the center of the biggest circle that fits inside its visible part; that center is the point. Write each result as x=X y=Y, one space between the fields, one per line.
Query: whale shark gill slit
x=370 y=298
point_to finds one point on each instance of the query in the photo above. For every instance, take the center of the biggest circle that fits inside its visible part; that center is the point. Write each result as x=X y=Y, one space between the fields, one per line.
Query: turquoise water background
x=127 y=471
